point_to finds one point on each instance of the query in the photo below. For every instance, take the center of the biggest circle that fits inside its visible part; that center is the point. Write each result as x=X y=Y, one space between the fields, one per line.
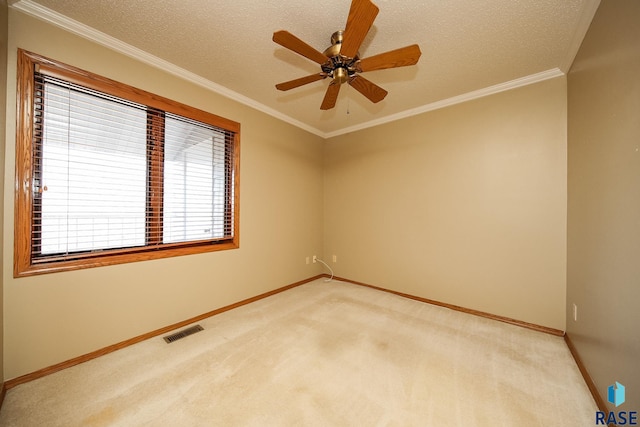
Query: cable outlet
x=575 y=313
x=335 y=258
x=315 y=259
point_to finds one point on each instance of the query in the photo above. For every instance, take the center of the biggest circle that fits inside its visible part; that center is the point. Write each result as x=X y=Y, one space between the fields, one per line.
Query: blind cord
x=326 y=265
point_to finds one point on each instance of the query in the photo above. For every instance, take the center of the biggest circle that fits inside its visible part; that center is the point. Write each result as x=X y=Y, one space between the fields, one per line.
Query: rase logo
x=616 y=396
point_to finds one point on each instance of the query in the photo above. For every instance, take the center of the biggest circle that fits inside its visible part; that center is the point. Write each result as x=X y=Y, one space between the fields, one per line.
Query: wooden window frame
x=25 y=176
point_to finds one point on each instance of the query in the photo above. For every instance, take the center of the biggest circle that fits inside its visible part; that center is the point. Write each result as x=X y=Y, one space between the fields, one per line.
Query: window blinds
x=112 y=174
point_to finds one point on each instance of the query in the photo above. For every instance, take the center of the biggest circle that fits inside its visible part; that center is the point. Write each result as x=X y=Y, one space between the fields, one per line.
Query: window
x=108 y=174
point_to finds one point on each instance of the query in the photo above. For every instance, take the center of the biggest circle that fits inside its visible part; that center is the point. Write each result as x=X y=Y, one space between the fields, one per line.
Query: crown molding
x=469 y=96
x=33 y=9
x=588 y=12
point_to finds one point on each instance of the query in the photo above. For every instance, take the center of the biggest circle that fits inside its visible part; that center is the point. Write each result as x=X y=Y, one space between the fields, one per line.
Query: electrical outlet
x=315 y=259
x=335 y=258
x=575 y=313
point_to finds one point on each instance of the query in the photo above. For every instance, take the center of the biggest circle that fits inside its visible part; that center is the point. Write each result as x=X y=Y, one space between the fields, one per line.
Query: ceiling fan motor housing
x=339 y=67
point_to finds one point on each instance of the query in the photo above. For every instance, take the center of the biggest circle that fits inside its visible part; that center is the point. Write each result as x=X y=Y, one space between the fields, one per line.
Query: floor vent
x=183 y=333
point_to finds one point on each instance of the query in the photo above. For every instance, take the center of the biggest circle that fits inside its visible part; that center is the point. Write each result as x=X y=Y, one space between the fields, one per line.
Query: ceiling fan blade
x=288 y=40
x=408 y=55
x=360 y=19
x=292 y=84
x=331 y=96
x=372 y=91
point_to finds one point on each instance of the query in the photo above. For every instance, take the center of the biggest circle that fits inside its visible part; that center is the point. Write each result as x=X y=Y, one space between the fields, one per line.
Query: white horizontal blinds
x=114 y=174
x=90 y=171
x=197 y=181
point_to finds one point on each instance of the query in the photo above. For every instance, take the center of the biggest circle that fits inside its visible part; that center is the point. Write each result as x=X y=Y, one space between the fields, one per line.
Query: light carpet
x=321 y=354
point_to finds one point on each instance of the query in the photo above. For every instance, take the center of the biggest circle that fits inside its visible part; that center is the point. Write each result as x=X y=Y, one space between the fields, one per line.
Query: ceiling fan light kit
x=341 y=61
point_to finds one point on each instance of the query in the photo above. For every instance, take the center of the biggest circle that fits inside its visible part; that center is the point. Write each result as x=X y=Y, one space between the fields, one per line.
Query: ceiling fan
x=341 y=61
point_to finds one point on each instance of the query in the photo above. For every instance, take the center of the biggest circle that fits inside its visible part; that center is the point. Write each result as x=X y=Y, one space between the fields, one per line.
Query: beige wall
x=55 y=317
x=604 y=199
x=464 y=205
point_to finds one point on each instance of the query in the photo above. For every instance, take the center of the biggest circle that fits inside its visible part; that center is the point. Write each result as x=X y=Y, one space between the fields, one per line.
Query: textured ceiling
x=468 y=48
